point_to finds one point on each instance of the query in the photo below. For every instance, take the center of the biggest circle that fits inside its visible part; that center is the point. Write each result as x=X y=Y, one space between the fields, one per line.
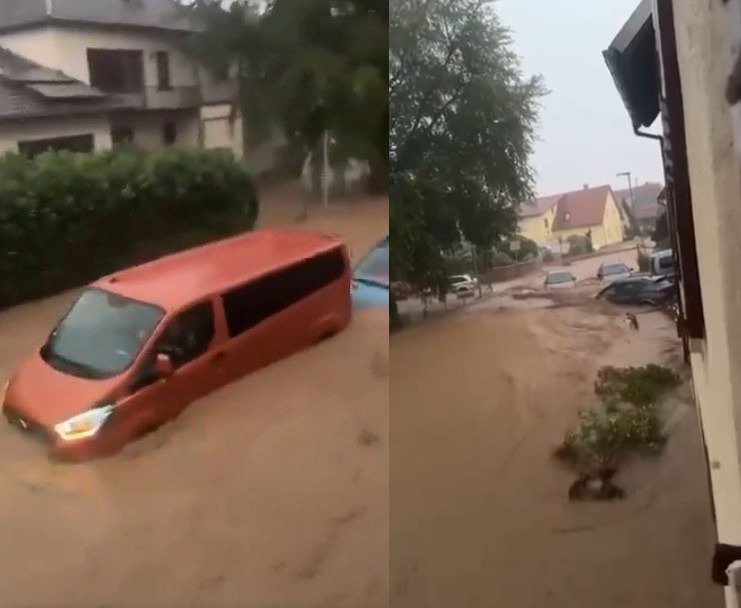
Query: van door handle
x=218 y=357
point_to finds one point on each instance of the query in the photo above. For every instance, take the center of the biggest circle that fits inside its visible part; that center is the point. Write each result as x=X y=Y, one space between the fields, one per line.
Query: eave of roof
x=633 y=63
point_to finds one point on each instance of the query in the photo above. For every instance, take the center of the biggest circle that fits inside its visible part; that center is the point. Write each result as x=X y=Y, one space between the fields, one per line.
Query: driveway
x=271 y=492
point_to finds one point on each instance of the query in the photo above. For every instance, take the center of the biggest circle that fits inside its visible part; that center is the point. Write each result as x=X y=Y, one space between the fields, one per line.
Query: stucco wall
x=613 y=223
x=219 y=130
x=538 y=228
x=13 y=132
x=149 y=126
x=716 y=193
x=66 y=49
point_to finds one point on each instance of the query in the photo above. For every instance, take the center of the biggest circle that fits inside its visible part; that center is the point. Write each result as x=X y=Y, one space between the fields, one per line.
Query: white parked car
x=613 y=271
x=559 y=279
x=462 y=283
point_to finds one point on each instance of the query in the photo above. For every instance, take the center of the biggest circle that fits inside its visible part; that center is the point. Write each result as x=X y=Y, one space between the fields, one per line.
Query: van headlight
x=84 y=425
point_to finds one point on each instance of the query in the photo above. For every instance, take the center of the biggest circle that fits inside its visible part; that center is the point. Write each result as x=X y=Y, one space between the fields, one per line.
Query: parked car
x=462 y=283
x=613 y=271
x=559 y=279
x=139 y=346
x=371 y=278
x=643 y=290
x=662 y=263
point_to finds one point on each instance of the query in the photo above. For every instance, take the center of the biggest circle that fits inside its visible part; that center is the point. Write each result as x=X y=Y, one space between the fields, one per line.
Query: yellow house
x=553 y=219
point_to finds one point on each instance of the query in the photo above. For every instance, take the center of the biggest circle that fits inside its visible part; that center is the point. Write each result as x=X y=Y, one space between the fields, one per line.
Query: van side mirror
x=163 y=365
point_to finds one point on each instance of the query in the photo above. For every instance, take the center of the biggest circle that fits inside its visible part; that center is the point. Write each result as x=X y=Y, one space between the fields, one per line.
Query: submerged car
x=462 y=283
x=613 y=271
x=138 y=346
x=643 y=290
x=370 y=287
x=559 y=279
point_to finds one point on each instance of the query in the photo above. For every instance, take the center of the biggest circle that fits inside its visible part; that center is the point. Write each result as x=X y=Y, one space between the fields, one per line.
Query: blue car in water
x=370 y=287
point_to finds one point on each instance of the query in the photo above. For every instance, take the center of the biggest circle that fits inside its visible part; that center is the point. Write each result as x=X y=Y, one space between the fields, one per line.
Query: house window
x=545 y=221
x=567 y=216
x=114 y=71
x=75 y=143
x=163 y=71
x=122 y=136
x=169 y=133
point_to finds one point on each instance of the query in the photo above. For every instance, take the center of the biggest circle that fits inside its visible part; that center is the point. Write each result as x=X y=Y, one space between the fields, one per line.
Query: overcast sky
x=586 y=135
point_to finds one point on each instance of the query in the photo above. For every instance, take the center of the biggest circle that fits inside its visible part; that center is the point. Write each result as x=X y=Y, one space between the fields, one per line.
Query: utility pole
x=325 y=170
x=630 y=185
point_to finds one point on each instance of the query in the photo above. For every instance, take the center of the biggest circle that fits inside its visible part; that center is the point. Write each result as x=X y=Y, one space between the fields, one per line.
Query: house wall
x=220 y=130
x=46 y=128
x=148 y=127
x=65 y=48
x=538 y=228
x=612 y=222
x=704 y=61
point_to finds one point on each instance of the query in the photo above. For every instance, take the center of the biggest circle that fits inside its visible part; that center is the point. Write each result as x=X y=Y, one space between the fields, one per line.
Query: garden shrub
x=626 y=416
x=66 y=219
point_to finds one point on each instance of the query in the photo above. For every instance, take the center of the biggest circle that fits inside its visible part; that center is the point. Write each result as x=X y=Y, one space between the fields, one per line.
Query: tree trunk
x=394 y=317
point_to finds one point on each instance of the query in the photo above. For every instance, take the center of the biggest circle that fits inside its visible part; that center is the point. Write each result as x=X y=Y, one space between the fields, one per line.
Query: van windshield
x=101 y=335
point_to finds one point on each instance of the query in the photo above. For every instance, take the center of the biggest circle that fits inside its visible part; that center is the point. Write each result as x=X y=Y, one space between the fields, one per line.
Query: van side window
x=188 y=335
x=248 y=305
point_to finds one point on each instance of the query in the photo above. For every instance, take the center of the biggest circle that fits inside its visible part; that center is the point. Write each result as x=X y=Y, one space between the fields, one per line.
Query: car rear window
x=610 y=269
x=555 y=278
x=248 y=305
x=666 y=262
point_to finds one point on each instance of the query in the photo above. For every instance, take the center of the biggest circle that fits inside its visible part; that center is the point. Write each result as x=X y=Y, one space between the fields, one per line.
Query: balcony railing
x=154 y=98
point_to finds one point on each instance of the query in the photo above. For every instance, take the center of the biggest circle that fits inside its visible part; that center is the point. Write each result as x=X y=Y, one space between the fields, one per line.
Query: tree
x=308 y=67
x=461 y=132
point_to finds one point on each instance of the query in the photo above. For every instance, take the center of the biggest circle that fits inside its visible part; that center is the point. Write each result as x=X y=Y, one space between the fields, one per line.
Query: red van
x=138 y=346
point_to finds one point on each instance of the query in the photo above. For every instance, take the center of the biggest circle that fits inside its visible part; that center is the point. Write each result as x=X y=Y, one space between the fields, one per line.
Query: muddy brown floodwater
x=480 y=515
x=271 y=492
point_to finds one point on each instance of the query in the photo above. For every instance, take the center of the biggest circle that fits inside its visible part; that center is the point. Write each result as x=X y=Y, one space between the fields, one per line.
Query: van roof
x=175 y=280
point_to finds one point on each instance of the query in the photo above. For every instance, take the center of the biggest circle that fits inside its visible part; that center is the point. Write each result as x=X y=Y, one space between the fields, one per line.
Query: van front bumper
x=57 y=448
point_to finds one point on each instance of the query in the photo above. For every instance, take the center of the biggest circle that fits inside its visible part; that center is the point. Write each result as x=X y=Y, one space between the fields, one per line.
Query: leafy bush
x=548 y=255
x=606 y=431
x=639 y=386
x=500 y=258
x=66 y=219
x=626 y=417
x=579 y=244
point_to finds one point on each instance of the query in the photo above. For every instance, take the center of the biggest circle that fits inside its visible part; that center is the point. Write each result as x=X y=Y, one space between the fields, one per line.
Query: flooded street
x=270 y=492
x=479 y=505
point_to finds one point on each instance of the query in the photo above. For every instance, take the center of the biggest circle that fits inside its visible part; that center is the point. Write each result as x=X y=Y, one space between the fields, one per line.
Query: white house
x=91 y=74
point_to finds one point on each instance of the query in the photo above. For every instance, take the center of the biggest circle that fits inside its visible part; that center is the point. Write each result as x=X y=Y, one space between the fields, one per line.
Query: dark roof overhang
x=633 y=62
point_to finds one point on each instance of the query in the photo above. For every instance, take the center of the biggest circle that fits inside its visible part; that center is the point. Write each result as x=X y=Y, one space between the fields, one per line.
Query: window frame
x=164 y=74
x=168 y=323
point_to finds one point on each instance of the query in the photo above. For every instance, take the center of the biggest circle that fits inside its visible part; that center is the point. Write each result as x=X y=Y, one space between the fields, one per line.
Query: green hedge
x=66 y=219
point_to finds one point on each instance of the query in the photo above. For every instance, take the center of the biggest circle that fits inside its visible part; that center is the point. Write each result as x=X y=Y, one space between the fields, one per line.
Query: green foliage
x=626 y=416
x=306 y=67
x=502 y=258
x=461 y=130
x=528 y=249
x=66 y=219
x=548 y=255
x=639 y=386
x=580 y=244
x=605 y=433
